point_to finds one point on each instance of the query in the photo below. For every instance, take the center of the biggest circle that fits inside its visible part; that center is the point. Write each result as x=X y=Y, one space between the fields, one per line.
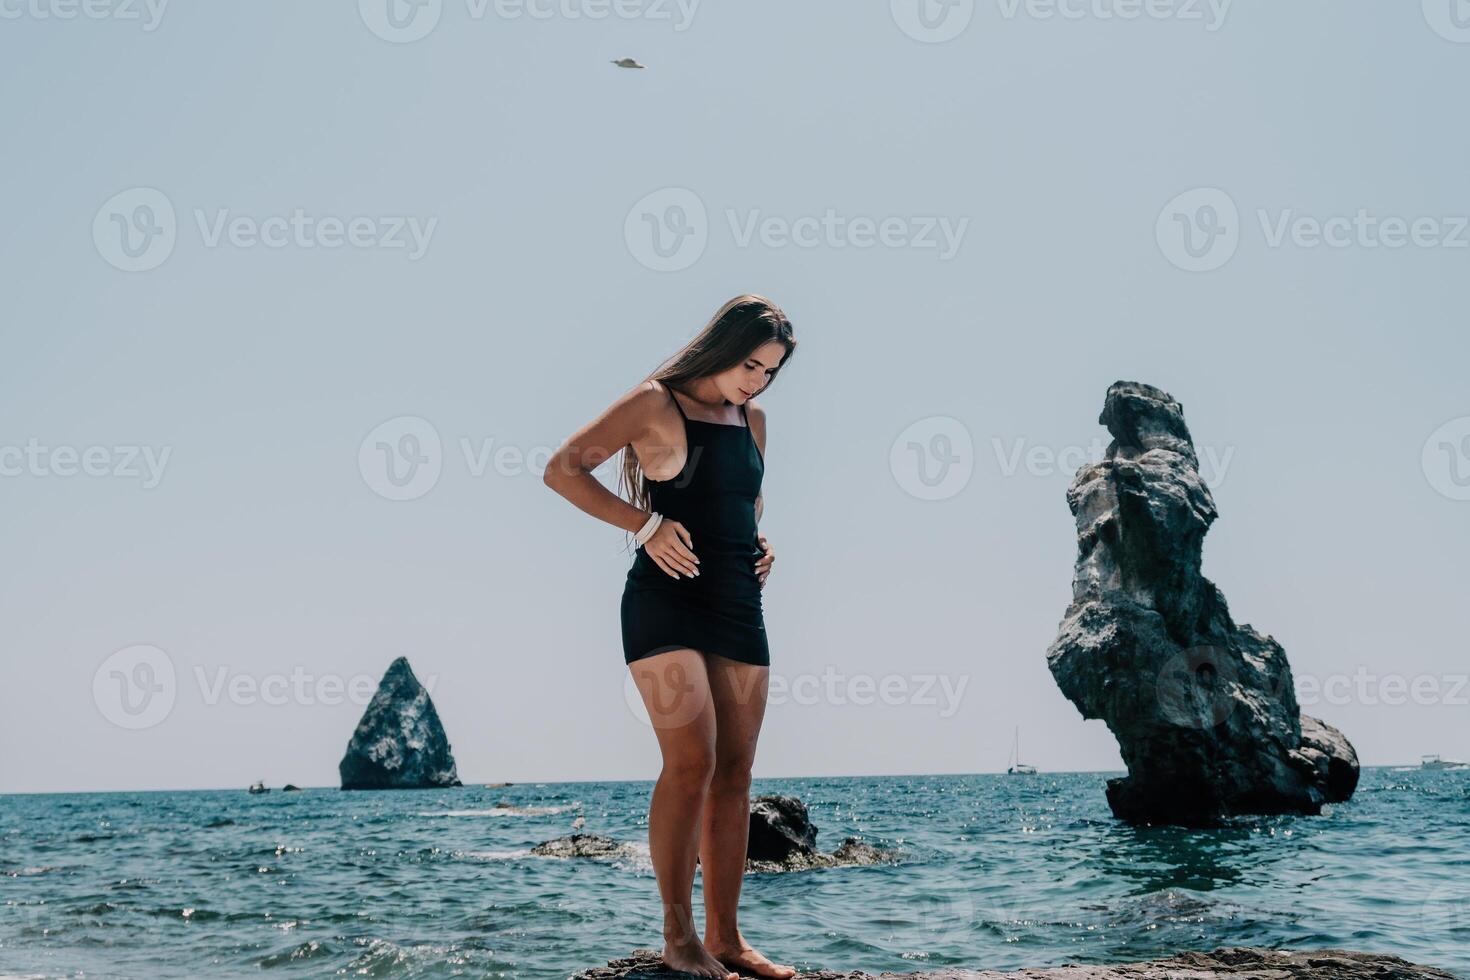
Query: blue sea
x=992 y=871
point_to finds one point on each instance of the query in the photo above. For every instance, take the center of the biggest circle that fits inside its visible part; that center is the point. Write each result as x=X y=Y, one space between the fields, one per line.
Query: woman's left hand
x=763 y=564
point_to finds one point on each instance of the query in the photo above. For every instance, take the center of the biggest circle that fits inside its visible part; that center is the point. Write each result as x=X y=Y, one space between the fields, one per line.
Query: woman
x=694 y=635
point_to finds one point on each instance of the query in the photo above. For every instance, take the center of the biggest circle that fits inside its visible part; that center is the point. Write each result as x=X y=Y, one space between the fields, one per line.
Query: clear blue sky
x=1316 y=373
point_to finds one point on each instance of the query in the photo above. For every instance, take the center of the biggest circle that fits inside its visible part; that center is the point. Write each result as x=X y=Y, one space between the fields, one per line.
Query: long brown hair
x=735 y=332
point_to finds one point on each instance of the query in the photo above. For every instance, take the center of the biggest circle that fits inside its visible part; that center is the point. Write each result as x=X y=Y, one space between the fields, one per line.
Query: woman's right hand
x=670 y=546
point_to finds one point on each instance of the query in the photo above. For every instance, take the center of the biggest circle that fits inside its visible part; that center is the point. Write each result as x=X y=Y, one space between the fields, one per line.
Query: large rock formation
x=399 y=743
x=1204 y=710
x=1232 y=962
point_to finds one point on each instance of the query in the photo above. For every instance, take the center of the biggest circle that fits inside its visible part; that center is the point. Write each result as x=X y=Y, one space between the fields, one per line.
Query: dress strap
x=744 y=416
x=670 y=390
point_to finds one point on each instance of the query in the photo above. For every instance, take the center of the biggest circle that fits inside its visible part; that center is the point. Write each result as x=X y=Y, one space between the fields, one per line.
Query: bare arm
x=569 y=471
x=756 y=416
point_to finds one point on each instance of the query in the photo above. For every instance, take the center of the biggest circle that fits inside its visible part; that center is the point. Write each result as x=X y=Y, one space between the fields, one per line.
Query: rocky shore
x=1236 y=962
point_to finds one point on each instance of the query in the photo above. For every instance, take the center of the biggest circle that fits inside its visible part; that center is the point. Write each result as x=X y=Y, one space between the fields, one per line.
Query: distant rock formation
x=290 y=788
x=399 y=743
x=1204 y=710
x=1226 y=963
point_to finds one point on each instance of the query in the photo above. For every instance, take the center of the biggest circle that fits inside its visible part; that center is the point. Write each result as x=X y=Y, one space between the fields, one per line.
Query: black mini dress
x=719 y=610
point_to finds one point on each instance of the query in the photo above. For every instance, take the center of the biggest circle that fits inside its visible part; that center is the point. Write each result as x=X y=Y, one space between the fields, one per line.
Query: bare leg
x=675 y=689
x=738 y=691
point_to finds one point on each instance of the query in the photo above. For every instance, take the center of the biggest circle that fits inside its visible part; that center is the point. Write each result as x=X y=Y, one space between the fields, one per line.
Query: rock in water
x=399 y=743
x=779 y=829
x=583 y=845
x=1204 y=710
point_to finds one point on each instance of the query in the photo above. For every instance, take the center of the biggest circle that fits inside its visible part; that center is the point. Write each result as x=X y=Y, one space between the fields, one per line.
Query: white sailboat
x=1017 y=767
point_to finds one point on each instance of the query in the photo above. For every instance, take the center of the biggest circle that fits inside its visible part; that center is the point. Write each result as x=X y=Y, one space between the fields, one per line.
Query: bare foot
x=692 y=957
x=744 y=958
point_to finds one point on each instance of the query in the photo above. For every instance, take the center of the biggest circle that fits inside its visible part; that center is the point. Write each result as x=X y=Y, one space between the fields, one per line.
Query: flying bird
x=627 y=63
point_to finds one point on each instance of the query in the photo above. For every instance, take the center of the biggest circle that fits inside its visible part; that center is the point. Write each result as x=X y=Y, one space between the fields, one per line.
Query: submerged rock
x=782 y=838
x=583 y=845
x=1204 y=710
x=399 y=743
x=779 y=829
x=853 y=851
x=1233 y=962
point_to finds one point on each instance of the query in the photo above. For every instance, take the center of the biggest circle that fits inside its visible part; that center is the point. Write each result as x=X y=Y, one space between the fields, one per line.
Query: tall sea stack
x=1204 y=710
x=399 y=743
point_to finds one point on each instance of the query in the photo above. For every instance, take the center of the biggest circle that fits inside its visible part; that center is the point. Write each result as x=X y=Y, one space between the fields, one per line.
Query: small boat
x=259 y=788
x=1435 y=762
x=1016 y=766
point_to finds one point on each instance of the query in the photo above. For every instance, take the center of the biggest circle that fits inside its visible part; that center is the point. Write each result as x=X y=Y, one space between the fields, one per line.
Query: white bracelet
x=646 y=532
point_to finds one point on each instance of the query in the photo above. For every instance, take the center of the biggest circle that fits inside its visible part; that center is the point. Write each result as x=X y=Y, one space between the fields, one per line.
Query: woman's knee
x=690 y=768
x=732 y=772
